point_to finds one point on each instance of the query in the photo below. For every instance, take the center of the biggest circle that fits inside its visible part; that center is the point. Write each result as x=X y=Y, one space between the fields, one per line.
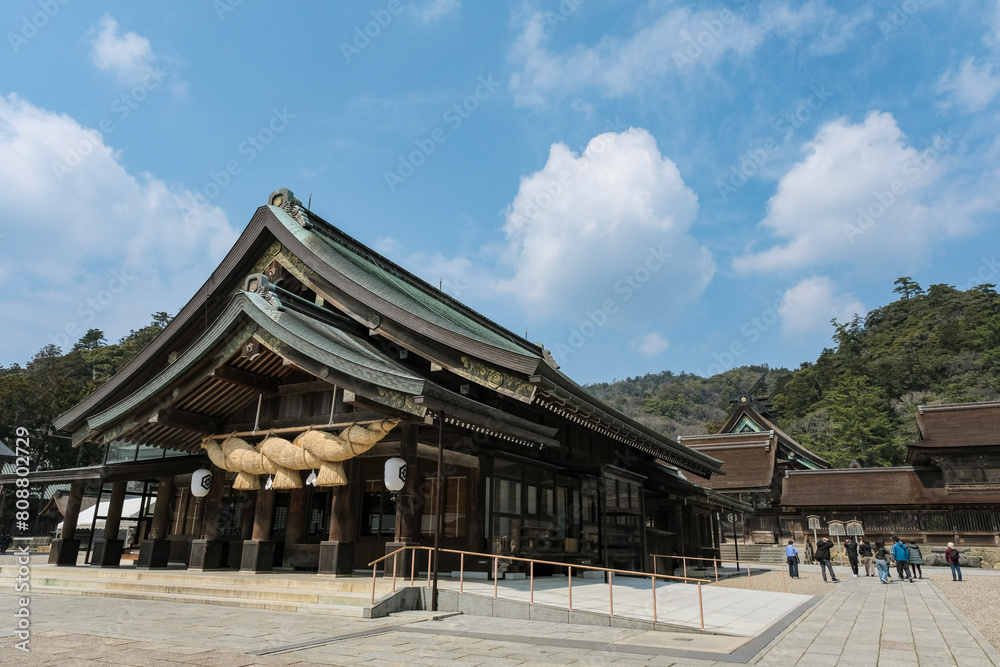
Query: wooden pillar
x=295 y=528
x=408 y=500
x=263 y=515
x=249 y=515
x=180 y=519
x=475 y=517
x=208 y=552
x=161 y=513
x=336 y=555
x=155 y=550
x=213 y=506
x=108 y=549
x=64 y=550
x=258 y=552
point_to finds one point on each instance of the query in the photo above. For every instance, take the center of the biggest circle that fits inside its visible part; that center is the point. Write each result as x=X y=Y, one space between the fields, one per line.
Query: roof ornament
x=285 y=199
x=257 y=283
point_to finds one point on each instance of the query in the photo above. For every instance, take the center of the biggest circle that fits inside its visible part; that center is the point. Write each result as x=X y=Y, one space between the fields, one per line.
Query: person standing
x=792 y=556
x=867 y=559
x=822 y=557
x=809 y=552
x=851 y=546
x=902 y=556
x=916 y=559
x=882 y=562
x=952 y=555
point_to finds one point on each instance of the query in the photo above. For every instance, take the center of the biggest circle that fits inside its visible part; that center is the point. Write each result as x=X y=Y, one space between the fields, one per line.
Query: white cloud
x=651 y=344
x=976 y=82
x=809 y=306
x=432 y=10
x=129 y=57
x=972 y=86
x=862 y=197
x=679 y=41
x=75 y=235
x=611 y=223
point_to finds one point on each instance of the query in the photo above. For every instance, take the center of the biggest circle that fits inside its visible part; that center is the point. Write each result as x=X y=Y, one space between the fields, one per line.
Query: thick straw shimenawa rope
x=281 y=458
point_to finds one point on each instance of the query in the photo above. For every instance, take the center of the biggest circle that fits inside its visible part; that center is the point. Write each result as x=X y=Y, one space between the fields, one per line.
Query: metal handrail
x=684 y=559
x=532 y=561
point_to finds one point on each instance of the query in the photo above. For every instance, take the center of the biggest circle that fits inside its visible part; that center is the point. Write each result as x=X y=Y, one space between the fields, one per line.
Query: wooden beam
x=291 y=422
x=296 y=388
x=187 y=421
x=245 y=379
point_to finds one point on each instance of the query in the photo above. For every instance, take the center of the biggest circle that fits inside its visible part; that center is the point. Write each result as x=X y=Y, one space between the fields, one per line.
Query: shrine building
x=304 y=363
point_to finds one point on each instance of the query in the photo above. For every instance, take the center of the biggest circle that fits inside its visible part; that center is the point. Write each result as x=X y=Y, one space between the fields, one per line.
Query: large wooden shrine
x=302 y=365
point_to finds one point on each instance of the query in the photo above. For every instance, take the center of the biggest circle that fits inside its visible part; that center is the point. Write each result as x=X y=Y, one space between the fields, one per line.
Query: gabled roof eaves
x=321 y=342
x=154 y=355
x=783 y=438
x=391 y=282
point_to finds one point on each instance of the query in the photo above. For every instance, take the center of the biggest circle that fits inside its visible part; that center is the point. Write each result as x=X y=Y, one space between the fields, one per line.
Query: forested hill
x=857 y=401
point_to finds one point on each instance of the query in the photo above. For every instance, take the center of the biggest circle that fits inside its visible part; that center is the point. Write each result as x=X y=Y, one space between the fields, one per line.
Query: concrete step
x=311 y=583
x=265 y=591
x=355 y=611
x=204 y=590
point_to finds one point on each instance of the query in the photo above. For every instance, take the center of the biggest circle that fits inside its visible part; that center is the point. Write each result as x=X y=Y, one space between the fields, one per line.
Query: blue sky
x=638 y=186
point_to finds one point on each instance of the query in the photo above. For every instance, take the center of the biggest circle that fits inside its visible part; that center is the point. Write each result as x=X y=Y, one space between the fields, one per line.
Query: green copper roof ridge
x=414 y=290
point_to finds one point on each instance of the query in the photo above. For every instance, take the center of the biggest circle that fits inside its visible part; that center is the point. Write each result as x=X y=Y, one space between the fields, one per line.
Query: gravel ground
x=977 y=597
x=810 y=583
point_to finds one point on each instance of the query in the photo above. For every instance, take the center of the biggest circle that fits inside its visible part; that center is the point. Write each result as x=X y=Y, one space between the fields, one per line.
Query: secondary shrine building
x=302 y=365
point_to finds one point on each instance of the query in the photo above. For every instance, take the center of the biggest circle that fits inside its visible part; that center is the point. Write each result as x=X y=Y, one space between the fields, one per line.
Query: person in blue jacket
x=792 y=554
x=902 y=556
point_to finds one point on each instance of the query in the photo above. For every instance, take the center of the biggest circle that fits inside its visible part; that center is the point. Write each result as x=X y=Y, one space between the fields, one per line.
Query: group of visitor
x=875 y=559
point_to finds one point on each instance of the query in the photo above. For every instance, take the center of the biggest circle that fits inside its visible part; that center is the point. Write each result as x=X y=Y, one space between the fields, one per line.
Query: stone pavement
x=858 y=622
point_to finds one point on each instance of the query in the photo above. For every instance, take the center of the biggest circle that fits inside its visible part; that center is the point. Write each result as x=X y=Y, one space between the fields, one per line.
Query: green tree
x=907 y=287
x=863 y=426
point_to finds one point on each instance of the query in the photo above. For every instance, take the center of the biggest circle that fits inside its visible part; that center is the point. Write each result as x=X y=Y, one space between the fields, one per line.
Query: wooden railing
x=716 y=561
x=610 y=573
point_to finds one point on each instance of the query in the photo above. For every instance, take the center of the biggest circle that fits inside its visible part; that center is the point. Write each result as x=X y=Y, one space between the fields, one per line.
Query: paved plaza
x=857 y=622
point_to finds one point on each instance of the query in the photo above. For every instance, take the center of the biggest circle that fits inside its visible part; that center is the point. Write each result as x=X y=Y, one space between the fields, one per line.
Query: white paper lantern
x=395 y=474
x=201 y=483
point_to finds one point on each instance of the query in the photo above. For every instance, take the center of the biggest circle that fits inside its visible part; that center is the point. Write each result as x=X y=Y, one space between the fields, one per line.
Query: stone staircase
x=297 y=592
x=761 y=553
